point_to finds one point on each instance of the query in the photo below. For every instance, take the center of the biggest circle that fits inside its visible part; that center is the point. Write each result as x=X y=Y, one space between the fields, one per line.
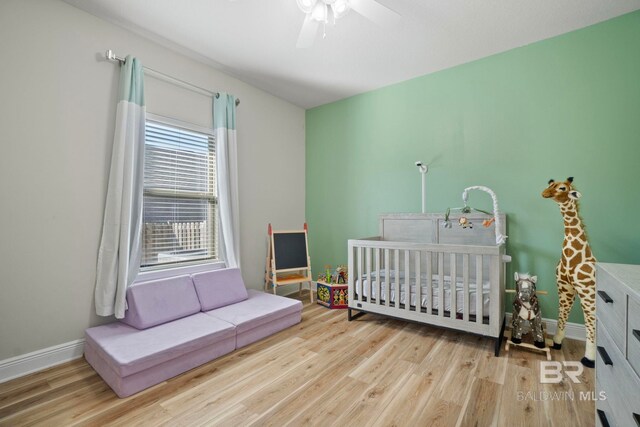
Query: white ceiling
x=255 y=40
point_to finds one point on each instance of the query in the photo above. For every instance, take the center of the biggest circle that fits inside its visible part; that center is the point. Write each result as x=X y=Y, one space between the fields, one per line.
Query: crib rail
x=417 y=281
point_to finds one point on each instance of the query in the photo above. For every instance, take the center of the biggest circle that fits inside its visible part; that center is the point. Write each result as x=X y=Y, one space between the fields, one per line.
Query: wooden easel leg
x=311 y=291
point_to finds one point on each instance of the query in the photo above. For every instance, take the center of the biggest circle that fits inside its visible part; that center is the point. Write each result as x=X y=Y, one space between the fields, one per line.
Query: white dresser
x=618 y=342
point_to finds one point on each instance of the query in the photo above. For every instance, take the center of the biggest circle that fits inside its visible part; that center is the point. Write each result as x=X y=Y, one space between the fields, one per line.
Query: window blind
x=180 y=196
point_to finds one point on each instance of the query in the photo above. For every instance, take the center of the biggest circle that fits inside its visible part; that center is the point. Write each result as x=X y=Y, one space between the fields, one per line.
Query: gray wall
x=56 y=129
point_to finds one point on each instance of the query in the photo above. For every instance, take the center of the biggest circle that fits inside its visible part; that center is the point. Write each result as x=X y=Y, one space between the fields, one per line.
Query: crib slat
x=429 y=303
x=396 y=270
x=378 y=295
x=352 y=269
x=360 y=276
x=494 y=299
x=453 y=286
x=441 y=284
x=407 y=281
x=418 y=283
x=387 y=274
x=465 y=284
x=479 y=296
x=368 y=272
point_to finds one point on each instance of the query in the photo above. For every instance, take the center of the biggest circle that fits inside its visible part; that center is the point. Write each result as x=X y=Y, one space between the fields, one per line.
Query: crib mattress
x=435 y=293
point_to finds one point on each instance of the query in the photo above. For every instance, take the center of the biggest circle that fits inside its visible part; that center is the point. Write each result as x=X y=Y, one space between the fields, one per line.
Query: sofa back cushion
x=219 y=288
x=160 y=301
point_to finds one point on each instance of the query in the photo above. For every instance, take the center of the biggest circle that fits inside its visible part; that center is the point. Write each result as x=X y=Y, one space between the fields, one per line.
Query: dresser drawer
x=604 y=413
x=633 y=337
x=617 y=379
x=611 y=303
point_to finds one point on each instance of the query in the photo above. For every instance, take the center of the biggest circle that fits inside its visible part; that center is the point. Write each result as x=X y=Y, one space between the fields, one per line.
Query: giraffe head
x=561 y=192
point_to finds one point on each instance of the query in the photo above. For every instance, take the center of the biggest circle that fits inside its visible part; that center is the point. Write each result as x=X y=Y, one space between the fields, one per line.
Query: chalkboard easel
x=288 y=260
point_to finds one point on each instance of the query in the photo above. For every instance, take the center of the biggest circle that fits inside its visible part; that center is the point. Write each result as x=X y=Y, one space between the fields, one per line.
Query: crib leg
x=499 y=338
x=351 y=317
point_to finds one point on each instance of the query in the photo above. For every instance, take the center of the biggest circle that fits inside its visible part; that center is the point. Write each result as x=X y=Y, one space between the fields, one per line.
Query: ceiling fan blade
x=308 y=32
x=375 y=12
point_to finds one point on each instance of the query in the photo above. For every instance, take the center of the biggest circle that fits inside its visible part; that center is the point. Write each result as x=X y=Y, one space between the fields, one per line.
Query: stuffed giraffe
x=576 y=271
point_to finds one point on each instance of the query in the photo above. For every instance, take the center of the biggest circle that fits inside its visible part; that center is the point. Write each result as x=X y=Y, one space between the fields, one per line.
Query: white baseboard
x=574 y=331
x=40 y=359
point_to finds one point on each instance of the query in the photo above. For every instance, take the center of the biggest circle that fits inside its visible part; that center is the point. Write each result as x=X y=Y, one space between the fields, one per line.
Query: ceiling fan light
x=319 y=12
x=307 y=5
x=340 y=8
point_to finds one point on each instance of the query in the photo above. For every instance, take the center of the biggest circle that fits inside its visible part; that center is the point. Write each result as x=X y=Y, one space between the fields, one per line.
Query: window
x=180 y=207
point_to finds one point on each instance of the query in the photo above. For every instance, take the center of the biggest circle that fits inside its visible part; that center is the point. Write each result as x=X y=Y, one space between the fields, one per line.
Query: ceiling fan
x=327 y=11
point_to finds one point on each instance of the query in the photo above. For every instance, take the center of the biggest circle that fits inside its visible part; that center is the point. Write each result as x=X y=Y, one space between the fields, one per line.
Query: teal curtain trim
x=132 y=81
x=224 y=111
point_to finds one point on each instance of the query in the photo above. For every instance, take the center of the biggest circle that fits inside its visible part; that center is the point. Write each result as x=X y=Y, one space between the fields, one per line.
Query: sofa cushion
x=128 y=350
x=126 y=386
x=160 y=301
x=219 y=288
x=260 y=308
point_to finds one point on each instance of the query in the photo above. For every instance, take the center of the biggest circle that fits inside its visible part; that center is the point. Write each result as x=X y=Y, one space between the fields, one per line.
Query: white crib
x=421 y=271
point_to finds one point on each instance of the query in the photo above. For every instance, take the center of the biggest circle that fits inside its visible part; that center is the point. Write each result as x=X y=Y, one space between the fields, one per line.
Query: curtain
x=224 y=125
x=120 y=246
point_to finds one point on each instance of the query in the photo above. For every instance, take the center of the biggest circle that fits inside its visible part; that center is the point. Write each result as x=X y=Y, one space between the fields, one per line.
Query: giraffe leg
x=587 y=291
x=566 y=296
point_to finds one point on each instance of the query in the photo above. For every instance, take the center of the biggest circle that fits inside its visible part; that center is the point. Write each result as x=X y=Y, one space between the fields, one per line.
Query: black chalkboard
x=290 y=250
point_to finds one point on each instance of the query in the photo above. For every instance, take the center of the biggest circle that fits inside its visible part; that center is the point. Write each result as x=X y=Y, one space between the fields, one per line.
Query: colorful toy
x=342 y=274
x=576 y=272
x=332 y=295
x=464 y=222
x=526 y=311
x=339 y=275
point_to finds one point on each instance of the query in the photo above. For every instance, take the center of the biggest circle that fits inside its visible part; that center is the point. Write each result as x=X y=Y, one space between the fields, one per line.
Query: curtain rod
x=112 y=57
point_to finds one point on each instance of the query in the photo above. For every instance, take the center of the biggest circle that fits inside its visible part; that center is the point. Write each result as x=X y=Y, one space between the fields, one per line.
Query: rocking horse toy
x=526 y=316
x=526 y=310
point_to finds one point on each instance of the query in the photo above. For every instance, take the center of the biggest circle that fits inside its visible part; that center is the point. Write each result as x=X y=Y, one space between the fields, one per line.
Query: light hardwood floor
x=325 y=371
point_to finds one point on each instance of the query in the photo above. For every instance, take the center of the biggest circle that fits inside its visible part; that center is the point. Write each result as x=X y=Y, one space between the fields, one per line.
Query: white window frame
x=159 y=272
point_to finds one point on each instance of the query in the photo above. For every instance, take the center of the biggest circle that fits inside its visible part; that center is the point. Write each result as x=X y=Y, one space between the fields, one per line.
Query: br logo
x=553 y=372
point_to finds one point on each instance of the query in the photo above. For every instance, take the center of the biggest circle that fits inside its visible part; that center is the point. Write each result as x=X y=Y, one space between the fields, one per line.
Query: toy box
x=332 y=295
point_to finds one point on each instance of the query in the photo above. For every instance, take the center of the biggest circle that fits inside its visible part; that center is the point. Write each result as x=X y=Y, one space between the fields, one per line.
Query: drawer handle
x=603 y=418
x=605 y=296
x=636 y=333
x=605 y=356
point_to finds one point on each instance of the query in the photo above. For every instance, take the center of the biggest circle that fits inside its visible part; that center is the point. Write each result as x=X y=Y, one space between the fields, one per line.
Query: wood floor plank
x=481 y=408
x=49 y=398
x=491 y=368
x=238 y=415
x=415 y=393
x=519 y=404
x=207 y=402
x=323 y=371
x=378 y=395
x=388 y=356
x=26 y=391
x=463 y=362
x=330 y=405
x=437 y=413
x=306 y=400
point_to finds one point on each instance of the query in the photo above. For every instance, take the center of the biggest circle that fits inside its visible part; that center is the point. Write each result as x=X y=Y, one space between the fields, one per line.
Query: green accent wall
x=566 y=106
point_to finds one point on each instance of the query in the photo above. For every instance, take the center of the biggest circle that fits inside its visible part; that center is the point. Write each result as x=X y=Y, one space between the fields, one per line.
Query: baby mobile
x=465 y=223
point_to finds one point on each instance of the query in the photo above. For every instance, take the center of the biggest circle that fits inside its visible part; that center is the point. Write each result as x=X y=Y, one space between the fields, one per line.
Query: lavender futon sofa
x=173 y=325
